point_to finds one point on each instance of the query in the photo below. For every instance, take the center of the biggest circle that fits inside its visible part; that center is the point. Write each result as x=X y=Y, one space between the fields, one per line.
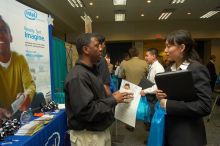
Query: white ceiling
x=67 y=18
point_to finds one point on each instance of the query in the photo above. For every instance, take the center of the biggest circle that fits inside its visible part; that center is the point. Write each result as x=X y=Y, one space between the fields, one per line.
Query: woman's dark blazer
x=184 y=124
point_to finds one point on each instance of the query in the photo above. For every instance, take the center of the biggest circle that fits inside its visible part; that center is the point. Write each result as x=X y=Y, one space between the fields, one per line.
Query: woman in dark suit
x=184 y=124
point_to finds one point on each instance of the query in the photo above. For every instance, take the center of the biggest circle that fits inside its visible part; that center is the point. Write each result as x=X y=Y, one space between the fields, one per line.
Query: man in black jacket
x=212 y=71
x=102 y=67
x=89 y=110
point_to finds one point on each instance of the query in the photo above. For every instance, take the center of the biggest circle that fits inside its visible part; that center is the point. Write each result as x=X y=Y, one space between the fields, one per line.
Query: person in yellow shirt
x=15 y=77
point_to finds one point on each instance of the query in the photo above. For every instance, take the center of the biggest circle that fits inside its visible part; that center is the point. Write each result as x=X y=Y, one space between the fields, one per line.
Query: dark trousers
x=152 y=100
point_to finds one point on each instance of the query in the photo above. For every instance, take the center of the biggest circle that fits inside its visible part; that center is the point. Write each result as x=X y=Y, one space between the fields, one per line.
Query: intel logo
x=30 y=14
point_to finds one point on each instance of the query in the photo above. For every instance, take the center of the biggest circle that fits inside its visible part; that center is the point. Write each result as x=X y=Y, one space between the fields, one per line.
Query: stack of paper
x=34 y=126
x=45 y=118
x=30 y=128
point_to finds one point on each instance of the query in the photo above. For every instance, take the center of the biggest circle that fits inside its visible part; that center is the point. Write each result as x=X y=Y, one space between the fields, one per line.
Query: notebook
x=177 y=85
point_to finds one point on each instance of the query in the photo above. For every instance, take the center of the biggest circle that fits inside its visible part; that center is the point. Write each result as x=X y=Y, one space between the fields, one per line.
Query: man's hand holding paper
x=126 y=112
x=128 y=95
x=124 y=96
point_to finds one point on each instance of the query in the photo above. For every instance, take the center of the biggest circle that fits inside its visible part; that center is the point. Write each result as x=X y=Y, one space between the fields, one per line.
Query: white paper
x=17 y=103
x=30 y=128
x=126 y=112
x=61 y=106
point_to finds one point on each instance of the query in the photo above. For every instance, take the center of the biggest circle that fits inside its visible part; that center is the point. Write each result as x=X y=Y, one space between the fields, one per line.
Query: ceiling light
x=209 y=14
x=91 y=3
x=165 y=14
x=177 y=1
x=188 y=13
x=97 y=17
x=119 y=2
x=119 y=15
x=142 y=15
x=76 y=3
x=149 y=1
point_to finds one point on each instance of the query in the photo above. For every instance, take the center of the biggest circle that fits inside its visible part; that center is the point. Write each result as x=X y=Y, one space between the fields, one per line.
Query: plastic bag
x=112 y=85
x=143 y=110
x=157 y=129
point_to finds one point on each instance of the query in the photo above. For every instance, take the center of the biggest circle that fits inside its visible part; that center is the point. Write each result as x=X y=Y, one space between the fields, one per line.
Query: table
x=52 y=134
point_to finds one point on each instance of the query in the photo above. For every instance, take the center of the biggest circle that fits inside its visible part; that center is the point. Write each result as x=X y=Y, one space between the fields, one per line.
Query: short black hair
x=100 y=38
x=126 y=55
x=107 y=55
x=133 y=52
x=153 y=51
x=83 y=40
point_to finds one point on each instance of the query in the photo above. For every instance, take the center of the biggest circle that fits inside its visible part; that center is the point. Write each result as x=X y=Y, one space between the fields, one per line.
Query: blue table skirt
x=51 y=134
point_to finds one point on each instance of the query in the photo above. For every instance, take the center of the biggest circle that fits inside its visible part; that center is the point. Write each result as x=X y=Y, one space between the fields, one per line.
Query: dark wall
x=117 y=49
x=200 y=49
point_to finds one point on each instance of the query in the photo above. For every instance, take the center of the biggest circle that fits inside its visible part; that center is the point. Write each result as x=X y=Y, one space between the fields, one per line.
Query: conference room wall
x=140 y=32
x=205 y=47
x=155 y=32
x=115 y=31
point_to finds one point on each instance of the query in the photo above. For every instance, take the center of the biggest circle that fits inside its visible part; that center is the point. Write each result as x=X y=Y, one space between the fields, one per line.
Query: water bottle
x=26 y=116
x=30 y=112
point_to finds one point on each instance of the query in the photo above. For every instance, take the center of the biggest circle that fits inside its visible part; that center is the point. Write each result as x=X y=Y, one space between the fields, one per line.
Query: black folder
x=145 y=83
x=177 y=85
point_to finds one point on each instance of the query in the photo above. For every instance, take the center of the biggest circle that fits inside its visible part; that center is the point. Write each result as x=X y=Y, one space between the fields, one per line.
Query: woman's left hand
x=160 y=94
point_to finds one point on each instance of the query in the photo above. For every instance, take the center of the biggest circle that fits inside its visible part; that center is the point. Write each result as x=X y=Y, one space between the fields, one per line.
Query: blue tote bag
x=157 y=129
x=112 y=85
x=143 y=110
